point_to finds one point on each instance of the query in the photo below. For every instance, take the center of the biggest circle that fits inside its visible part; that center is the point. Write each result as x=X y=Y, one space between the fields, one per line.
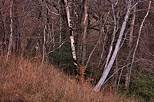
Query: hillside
x=24 y=80
x=28 y=81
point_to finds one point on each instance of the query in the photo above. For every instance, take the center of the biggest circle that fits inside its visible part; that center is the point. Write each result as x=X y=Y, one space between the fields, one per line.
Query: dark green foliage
x=62 y=56
x=143 y=85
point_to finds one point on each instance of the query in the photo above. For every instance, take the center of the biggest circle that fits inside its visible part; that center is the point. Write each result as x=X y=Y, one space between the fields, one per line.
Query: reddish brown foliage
x=27 y=81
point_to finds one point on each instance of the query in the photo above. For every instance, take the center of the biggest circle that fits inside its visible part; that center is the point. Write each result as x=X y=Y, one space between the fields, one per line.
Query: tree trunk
x=130 y=45
x=132 y=28
x=115 y=78
x=108 y=68
x=44 y=30
x=37 y=46
x=113 y=38
x=4 y=29
x=84 y=33
x=60 y=24
x=128 y=75
x=71 y=33
x=11 y=31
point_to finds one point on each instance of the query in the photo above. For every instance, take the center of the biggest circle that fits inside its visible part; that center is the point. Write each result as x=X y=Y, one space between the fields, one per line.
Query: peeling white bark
x=71 y=33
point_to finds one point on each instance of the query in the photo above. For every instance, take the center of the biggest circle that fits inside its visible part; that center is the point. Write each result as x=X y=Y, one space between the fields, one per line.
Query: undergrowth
x=23 y=80
x=27 y=81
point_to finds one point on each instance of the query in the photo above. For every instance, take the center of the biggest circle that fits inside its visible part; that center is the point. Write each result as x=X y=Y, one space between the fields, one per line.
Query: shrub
x=28 y=81
x=143 y=85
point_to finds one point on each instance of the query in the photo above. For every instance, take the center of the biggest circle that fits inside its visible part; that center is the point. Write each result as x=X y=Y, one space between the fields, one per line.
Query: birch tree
x=136 y=46
x=37 y=47
x=11 y=31
x=71 y=32
x=109 y=66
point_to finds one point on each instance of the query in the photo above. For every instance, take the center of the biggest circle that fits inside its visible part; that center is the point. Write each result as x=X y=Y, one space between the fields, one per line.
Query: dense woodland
x=99 y=41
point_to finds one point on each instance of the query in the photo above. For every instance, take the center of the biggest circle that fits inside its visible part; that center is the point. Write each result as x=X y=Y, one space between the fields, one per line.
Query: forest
x=107 y=45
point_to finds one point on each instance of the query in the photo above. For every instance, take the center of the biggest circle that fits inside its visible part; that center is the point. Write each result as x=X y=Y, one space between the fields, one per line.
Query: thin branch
x=92 y=51
x=119 y=69
x=135 y=4
x=56 y=48
x=139 y=38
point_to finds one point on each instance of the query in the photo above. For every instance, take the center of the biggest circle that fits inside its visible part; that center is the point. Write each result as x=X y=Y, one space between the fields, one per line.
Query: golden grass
x=27 y=81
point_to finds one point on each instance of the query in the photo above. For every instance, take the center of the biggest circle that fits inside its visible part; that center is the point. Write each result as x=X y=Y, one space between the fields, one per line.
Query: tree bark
x=137 y=42
x=130 y=44
x=84 y=33
x=71 y=33
x=132 y=28
x=4 y=29
x=108 y=68
x=60 y=24
x=113 y=38
x=37 y=46
x=44 y=30
x=11 y=31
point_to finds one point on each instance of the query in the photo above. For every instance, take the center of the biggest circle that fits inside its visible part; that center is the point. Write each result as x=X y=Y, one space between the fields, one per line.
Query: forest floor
x=23 y=80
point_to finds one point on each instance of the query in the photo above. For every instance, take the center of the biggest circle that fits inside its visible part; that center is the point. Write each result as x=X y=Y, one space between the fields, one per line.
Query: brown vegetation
x=112 y=39
x=25 y=80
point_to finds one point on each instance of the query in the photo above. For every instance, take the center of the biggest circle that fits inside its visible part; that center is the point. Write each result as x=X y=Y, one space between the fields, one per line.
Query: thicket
x=26 y=80
x=142 y=85
x=37 y=30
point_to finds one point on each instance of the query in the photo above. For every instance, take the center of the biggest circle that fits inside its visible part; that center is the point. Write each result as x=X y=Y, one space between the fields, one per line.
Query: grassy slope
x=24 y=80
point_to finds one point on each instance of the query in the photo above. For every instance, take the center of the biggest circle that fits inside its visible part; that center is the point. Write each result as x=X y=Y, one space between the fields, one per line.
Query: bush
x=62 y=57
x=143 y=85
x=24 y=81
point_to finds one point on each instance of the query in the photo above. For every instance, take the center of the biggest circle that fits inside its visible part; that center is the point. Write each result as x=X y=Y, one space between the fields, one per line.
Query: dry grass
x=27 y=81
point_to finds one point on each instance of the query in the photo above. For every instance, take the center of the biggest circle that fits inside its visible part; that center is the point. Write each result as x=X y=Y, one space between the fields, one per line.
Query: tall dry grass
x=28 y=81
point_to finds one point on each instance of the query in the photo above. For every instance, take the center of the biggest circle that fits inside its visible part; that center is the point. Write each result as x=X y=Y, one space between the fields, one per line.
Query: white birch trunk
x=71 y=33
x=108 y=68
x=113 y=38
x=37 y=46
x=11 y=31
